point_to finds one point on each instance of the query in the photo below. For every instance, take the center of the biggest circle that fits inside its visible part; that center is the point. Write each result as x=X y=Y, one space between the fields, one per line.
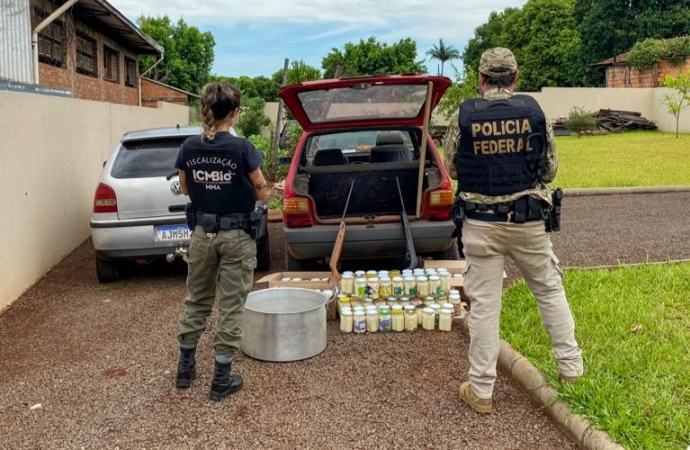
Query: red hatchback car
x=367 y=131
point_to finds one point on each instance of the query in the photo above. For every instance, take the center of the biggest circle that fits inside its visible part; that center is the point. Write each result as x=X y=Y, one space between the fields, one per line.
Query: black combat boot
x=186 y=367
x=224 y=383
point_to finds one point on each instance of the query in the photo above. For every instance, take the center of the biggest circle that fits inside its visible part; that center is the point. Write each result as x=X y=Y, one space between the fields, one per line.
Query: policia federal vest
x=502 y=146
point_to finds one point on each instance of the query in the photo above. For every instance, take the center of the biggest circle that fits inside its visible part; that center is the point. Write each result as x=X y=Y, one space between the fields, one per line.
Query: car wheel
x=451 y=253
x=263 y=255
x=297 y=265
x=107 y=271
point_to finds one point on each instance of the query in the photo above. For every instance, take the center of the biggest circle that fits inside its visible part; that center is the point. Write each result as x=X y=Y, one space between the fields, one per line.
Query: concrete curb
x=584 y=192
x=533 y=383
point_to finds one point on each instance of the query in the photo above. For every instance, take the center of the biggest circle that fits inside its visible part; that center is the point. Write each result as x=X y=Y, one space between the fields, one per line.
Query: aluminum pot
x=284 y=324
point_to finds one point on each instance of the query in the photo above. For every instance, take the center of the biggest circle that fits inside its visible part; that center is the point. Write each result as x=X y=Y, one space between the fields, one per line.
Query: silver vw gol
x=138 y=209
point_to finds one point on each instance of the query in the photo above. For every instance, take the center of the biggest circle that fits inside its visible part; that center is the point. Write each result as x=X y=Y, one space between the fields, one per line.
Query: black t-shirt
x=217 y=173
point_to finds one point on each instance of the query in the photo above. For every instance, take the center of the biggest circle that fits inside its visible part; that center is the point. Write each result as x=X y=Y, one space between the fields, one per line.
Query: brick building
x=90 y=50
x=153 y=91
x=619 y=74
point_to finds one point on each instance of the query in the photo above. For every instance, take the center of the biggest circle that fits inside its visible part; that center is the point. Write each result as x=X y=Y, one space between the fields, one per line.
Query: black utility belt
x=220 y=222
x=490 y=216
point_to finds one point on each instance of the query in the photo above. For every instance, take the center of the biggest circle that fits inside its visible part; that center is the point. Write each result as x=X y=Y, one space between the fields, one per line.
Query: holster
x=553 y=222
x=210 y=223
x=190 y=216
x=458 y=214
x=257 y=220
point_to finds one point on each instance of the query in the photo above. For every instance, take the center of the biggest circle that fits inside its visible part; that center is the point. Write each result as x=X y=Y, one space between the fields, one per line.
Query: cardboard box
x=277 y=280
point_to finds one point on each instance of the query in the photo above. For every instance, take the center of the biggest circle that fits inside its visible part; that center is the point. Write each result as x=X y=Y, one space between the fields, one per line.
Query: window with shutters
x=51 y=40
x=87 y=58
x=130 y=72
x=111 y=64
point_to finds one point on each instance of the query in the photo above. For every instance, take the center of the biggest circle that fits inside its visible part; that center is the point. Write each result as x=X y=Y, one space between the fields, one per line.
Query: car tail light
x=296 y=212
x=105 y=200
x=439 y=203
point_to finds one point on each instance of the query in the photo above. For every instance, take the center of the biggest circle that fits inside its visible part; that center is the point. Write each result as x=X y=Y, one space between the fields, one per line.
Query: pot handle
x=331 y=298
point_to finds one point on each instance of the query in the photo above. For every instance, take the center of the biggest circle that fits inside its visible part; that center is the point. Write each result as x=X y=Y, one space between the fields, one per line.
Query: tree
x=371 y=57
x=465 y=87
x=610 y=27
x=188 y=53
x=253 y=117
x=546 y=43
x=486 y=36
x=298 y=72
x=680 y=99
x=443 y=53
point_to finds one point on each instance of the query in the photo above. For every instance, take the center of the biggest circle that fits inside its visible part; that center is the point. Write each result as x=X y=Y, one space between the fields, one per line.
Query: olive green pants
x=486 y=245
x=224 y=262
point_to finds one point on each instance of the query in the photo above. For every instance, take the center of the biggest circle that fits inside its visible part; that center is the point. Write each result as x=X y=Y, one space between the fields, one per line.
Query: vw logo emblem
x=175 y=188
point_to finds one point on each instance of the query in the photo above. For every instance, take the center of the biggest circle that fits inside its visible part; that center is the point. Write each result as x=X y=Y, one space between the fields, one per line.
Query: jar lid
x=447 y=306
x=296 y=279
x=383 y=272
x=454 y=291
x=397 y=279
x=446 y=311
x=359 y=309
x=373 y=280
x=348 y=275
x=397 y=307
x=421 y=278
x=410 y=308
x=346 y=312
x=430 y=299
x=454 y=296
x=372 y=310
x=404 y=299
x=359 y=273
x=444 y=274
x=361 y=280
x=406 y=272
x=409 y=278
x=286 y=279
x=384 y=278
x=344 y=299
x=369 y=300
x=428 y=310
x=434 y=306
x=434 y=278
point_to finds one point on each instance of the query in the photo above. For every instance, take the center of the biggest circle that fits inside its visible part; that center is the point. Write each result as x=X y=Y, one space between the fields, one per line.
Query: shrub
x=580 y=120
x=648 y=52
x=264 y=144
x=253 y=117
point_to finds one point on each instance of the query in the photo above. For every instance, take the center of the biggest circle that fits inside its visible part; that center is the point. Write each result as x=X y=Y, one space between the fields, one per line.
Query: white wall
x=51 y=155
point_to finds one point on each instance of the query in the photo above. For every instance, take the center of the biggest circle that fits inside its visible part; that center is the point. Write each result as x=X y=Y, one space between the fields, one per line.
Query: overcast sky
x=254 y=37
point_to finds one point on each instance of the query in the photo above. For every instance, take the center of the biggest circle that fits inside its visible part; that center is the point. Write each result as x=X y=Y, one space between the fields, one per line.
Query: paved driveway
x=100 y=362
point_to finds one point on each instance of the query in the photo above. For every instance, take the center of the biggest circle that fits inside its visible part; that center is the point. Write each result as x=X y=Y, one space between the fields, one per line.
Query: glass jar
x=430 y=271
x=383 y=274
x=406 y=273
x=422 y=286
x=360 y=287
x=404 y=301
x=419 y=310
x=398 y=287
x=448 y=306
x=373 y=287
x=385 y=287
x=346 y=320
x=410 y=287
x=394 y=273
x=368 y=303
x=428 y=322
x=397 y=318
x=410 y=318
x=445 y=281
x=456 y=301
x=385 y=323
x=359 y=320
x=435 y=285
x=445 y=319
x=437 y=309
x=372 y=320
x=371 y=274
x=343 y=302
x=418 y=272
x=347 y=284
x=360 y=274
x=392 y=301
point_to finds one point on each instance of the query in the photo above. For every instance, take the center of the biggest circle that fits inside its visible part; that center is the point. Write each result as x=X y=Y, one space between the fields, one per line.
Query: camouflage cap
x=497 y=62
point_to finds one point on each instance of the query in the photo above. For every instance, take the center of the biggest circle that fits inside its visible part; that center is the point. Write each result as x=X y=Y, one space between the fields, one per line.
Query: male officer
x=503 y=152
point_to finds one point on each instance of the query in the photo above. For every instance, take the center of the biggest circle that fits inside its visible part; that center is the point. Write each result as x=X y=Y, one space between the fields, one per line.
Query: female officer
x=221 y=174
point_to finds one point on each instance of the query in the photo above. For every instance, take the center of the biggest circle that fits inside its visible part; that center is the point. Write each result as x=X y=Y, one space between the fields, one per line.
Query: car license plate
x=173 y=233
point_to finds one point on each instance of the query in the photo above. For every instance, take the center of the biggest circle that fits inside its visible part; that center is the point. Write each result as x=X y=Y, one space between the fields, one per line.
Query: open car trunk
x=375 y=191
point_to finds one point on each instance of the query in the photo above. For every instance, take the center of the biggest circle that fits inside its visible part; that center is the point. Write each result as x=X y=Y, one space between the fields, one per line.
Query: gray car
x=138 y=209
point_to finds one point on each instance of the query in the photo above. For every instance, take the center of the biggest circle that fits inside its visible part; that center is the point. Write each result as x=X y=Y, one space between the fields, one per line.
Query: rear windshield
x=364 y=102
x=354 y=141
x=148 y=158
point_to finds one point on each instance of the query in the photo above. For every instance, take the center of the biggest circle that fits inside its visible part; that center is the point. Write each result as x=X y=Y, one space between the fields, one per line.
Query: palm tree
x=443 y=53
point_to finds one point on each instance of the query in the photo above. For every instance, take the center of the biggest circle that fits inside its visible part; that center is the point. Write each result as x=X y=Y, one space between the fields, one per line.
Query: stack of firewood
x=610 y=120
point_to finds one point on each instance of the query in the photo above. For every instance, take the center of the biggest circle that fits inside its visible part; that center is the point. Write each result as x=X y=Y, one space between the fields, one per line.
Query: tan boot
x=481 y=405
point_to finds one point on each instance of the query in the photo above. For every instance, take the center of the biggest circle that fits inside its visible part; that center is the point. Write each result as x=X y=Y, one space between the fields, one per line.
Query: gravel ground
x=100 y=360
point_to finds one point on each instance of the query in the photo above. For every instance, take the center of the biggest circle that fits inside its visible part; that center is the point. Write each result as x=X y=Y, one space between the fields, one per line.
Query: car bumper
x=368 y=241
x=132 y=240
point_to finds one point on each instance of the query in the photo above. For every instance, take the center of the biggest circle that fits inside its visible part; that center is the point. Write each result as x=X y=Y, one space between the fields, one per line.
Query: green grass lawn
x=623 y=160
x=644 y=158
x=633 y=325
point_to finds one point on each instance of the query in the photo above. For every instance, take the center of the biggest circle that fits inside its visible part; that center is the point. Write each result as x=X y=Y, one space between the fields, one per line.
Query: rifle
x=339 y=240
x=411 y=254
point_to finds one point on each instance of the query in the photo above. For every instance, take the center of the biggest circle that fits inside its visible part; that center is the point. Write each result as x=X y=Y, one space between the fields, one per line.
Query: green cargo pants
x=226 y=261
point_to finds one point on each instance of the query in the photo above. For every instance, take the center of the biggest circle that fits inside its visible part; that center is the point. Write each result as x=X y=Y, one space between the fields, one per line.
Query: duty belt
x=524 y=209
x=230 y=221
x=491 y=216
